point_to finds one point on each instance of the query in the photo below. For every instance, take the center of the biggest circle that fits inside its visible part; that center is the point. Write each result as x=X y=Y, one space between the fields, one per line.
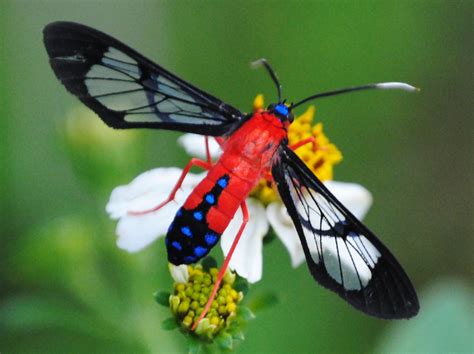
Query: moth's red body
x=247 y=157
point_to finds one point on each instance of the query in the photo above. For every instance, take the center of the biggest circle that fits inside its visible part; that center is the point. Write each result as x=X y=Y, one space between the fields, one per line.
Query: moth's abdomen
x=189 y=238
x=192 y=234
x=207 y=212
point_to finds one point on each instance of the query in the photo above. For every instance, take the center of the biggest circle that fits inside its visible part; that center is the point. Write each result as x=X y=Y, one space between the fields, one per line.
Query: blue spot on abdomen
x=210 y=238
x=200 y=251
x=186 y=231
x=222 y=182
x=189 y=259
x=177 y=245
x=210 y=199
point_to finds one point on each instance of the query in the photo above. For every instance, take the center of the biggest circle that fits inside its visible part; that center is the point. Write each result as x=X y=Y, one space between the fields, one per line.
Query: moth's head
x=282 y=112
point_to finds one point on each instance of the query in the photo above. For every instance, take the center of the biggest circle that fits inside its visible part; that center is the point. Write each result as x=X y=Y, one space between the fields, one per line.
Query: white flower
x=150 y=188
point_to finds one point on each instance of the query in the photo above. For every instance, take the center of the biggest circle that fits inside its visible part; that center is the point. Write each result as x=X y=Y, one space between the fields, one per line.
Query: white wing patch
x=348 y=258
x=119 y=60
x=365 y=248
x=189 y=120
x=140 y=118
x=316 y=210
x=99 y=87
x=126 y=100
x=119 y=55
x=103 y=72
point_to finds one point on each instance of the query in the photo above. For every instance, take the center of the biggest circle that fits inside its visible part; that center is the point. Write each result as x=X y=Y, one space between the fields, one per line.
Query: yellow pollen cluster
x=189 y=299
x=319 y=154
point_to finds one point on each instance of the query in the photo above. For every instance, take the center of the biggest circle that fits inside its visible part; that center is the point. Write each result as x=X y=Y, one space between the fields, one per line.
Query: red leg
x=300 y=143
x=208 y=154
x=191 y=163
x=245 y=216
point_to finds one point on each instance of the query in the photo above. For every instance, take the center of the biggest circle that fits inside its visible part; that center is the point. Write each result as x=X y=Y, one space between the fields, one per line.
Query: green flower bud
x=174 y=303
x=95 y=149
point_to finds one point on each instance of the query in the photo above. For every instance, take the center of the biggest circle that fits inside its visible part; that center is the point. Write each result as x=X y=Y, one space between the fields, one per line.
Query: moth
x=127 y=90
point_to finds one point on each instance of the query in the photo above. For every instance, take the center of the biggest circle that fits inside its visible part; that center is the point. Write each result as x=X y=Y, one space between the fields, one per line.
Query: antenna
x=379 y=86
x=262 y=61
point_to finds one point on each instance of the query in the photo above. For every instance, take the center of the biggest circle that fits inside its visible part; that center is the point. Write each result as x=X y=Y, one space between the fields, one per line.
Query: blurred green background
x=65 y=287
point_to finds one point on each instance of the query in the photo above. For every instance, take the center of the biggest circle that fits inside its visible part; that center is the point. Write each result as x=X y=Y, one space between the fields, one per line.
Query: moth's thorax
x=250 y=150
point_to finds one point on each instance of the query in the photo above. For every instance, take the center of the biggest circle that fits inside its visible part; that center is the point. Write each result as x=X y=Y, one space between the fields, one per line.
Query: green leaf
x=241 y=285
x=245 y=313
x=224 y=340
x=162 y=298
x=444 y=324
x=238 y=334
x=208 y=263
x=194 y=346
x=169 y=324
x=263 y=301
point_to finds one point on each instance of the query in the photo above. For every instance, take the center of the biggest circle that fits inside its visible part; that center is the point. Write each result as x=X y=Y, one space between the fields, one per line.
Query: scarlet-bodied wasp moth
x=128 y=90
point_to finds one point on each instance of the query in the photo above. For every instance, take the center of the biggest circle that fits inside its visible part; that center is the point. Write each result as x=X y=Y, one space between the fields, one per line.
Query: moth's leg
x=193 y=162
x=302 y=142
x=208 y=153
x=220 y=275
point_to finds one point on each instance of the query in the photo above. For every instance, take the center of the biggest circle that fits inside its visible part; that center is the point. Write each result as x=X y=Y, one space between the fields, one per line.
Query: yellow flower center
x=189 y=299
x=319 y=154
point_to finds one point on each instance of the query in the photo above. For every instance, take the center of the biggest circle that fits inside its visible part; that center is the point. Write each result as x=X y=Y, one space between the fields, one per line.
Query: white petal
x=195 y=145
x=286 y=232
x=145 y=192
x=180 y=274
x=137 y=232
x=247 y=259
x=353 y=196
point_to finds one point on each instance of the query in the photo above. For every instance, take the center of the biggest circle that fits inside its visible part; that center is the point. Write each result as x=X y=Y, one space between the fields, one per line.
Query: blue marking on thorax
x=200 y=251
x=186 y=231
x=281 y=109
x=210 y=199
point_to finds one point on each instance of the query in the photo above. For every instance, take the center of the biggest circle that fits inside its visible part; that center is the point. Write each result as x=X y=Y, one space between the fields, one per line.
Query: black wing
x=126 y=89
x=341 y=253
